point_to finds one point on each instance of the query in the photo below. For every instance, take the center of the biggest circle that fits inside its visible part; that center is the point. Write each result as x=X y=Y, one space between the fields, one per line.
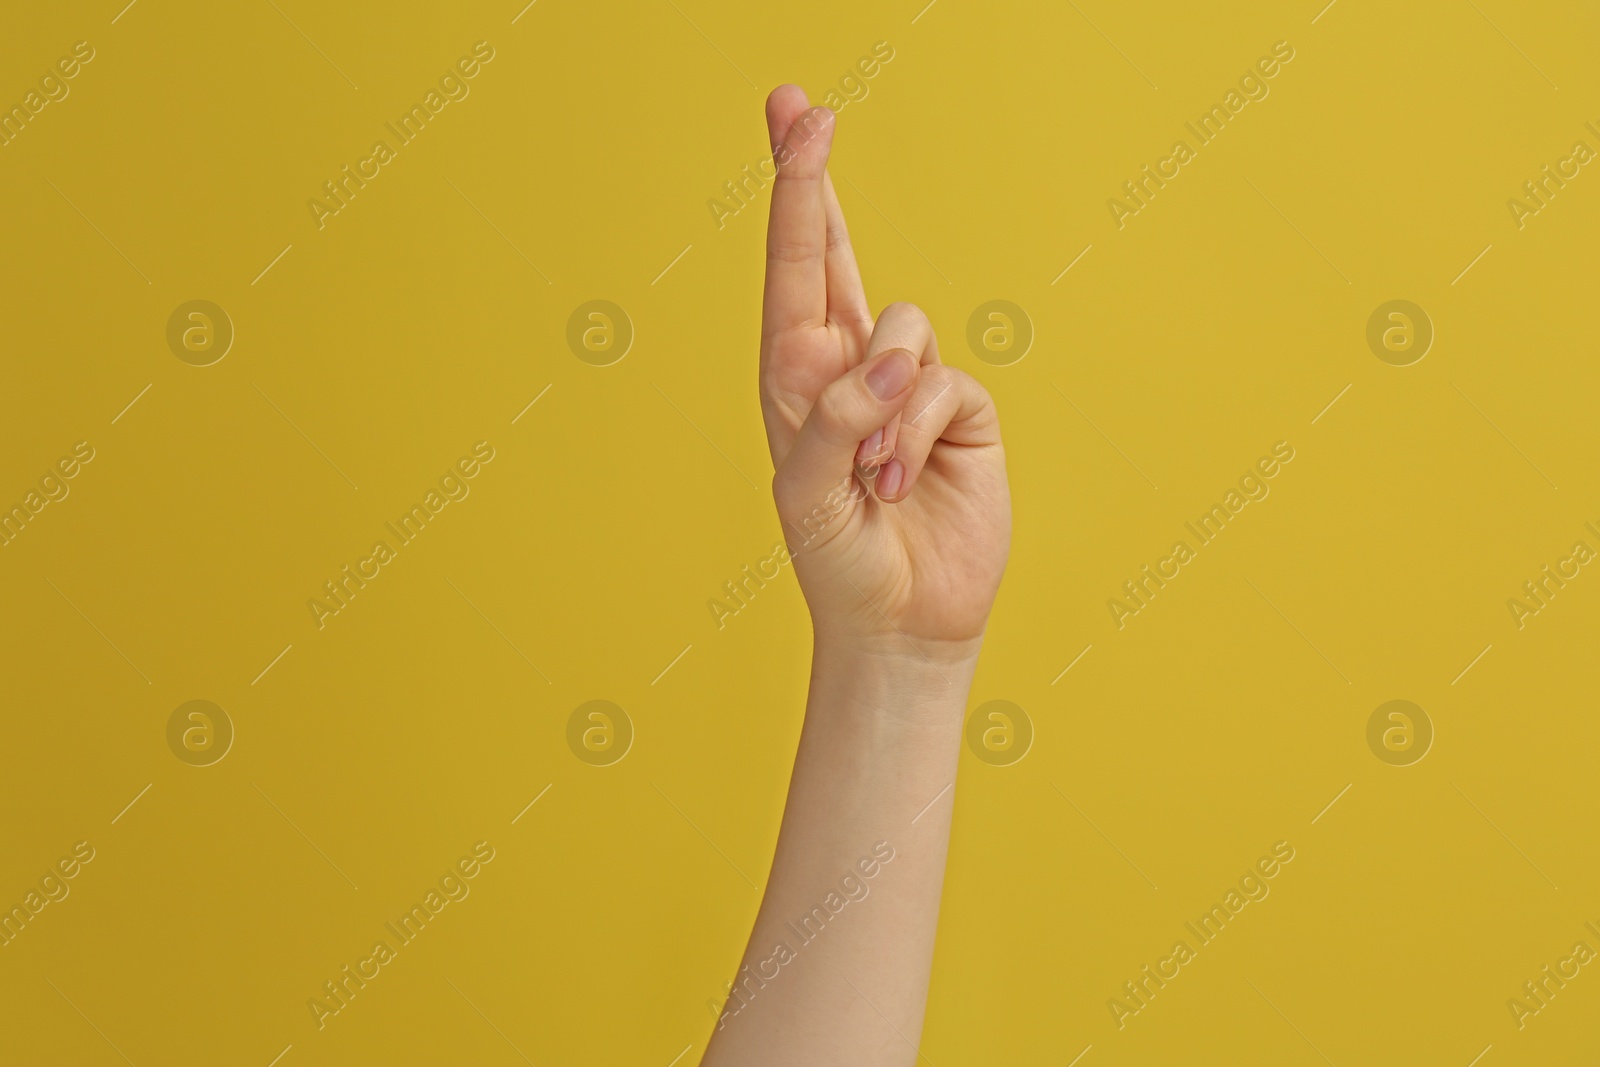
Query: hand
x=891 y=480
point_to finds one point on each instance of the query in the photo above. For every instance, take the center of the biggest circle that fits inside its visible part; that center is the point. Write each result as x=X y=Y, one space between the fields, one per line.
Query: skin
x=890 y=482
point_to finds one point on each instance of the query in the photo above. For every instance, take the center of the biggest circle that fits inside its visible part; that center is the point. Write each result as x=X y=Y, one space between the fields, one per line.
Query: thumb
x=815 y=479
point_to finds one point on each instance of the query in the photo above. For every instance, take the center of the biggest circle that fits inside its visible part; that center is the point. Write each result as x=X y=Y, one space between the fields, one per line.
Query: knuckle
x=770 y=385
x=904 y=307
x=838 y=239
x=783 y=491
x=942 y=387
x=973 y=387
x=837 y=409
x=905 y=325
x=939 y=400
x=791 y=251
x=964 y=384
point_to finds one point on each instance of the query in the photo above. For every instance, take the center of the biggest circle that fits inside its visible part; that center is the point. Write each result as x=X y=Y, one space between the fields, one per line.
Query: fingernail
x=892 y=374
x=889 y=480
x=870 y=446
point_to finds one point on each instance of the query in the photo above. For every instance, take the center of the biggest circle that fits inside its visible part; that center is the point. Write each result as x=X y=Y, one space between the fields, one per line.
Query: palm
x=805 y=362
x=874 y=559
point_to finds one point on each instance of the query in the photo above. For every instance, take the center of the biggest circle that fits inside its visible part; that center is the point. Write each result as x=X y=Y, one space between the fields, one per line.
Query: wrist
x=898 y=679
x=897 y=654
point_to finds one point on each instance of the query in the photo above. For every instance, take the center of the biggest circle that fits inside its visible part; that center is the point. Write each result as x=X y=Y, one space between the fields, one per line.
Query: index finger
x=797 y=231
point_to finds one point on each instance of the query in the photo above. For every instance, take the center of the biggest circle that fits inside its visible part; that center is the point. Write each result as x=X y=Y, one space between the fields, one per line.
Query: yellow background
x=1221 y=319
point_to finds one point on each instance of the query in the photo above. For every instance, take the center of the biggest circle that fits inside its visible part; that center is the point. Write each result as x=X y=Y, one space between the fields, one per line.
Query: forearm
x=837 y=966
